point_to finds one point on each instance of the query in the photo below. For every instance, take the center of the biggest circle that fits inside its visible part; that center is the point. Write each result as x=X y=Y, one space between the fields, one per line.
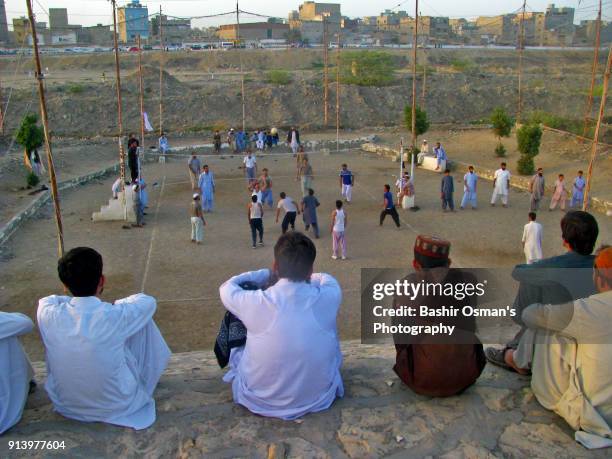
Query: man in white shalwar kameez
x=15 y=369
x=290 y=365
x=568 y=348
x=103 y=360
x=532 y=240
x=501 y=185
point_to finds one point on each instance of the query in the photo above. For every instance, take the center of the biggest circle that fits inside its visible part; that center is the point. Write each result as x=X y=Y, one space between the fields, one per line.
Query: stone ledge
x=378 y=417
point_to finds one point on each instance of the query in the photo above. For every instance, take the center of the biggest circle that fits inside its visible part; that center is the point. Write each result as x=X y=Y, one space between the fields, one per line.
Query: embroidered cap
x=432 y=246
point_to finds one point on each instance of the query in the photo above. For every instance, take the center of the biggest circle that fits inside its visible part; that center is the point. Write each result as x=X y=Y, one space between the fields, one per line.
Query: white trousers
x=197 y=229
x=347 y=192
x=504 y=197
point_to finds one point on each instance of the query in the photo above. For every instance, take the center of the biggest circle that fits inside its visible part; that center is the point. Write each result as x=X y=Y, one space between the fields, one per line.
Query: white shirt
x=291 y=362
x=501 y=181
x=532 y=238
x=258 y=194
x=15 y=369
x=256 y=210
x=249 y=162
x=287 y=204
x=339 y=221
x=92 y=375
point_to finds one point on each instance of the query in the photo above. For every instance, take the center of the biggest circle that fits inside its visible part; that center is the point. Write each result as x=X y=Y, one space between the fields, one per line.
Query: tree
x=30 y=136
x=422 y=123
x=502 y=127
x=529 y=137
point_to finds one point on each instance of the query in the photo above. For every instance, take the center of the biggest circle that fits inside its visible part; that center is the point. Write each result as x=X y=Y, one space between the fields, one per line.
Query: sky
x=91 y=12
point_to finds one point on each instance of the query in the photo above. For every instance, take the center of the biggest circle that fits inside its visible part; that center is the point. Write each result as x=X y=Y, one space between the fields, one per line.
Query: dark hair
x=561 y=175
x=387 y=187
x=580 y=172
x=503 y=164
x=295 y=255
x=80 y=271
x=283 y=195
x=254 y=198
x=310 y=192
x=532 y=216
x=430 y=262
x=344 y=165
x=580 y=230
x=447 y=171
x=338 y=204
x=205 y=165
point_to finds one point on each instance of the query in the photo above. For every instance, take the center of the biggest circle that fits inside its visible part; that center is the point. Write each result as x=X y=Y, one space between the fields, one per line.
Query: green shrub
x=525 y=165
x=529 y=137
x=461 y=65
x=75 y=89
x=502 y=123
x=500 y=150
x=367 y=68
x=32 y=179
x=279 y=77
x=422 y=123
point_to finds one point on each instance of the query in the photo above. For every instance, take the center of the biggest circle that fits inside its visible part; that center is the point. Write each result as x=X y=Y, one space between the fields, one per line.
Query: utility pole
x=1 y=113
x=119 y=105
x=424 y=76
x=325 y=73
x=141 y=96
x=45 y=121
x=338 y=94
x=161 y=73
x=602 y=107
x=241 y=69
x=414 y=73
x=587 y=113
x=521 y=45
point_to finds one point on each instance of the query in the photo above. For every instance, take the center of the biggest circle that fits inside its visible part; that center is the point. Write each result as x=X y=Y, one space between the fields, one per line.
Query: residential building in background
x=312 y=20
x=133 y=20
x=174 y=30
x=253 y=31
x=4 y=32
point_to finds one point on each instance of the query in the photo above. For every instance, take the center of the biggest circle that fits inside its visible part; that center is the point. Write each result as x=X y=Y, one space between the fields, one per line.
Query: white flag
x=147 y=124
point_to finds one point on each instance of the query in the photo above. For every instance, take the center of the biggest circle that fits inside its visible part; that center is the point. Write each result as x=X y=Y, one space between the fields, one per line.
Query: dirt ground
x=161 y=260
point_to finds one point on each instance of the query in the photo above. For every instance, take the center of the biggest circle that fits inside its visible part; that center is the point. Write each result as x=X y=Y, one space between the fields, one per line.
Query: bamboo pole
x=45 y=121
x=414 y=72
x=325 y=73
x=589 y=107
x=119 y=109
x=141 y=97
x=602 y=107
x=338 y=94
x=521 y=45
x=241 y=67
x=161 y=73
x=1 y=112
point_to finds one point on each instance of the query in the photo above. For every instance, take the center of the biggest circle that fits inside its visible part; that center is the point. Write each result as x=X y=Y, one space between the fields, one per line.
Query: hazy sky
x=91 y=12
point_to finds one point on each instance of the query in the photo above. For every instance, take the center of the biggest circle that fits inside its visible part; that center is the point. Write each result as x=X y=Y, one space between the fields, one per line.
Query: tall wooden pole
x=141 y=96
x=424 y=76
x=414 y=73
x=1 y=112
x=241 y=69
x=521 y=45
x=119 y=106
x=338 y=94
x=45 y=121
x=161 y=73
x=602 y=107
x=325 y=73
x=589 y=107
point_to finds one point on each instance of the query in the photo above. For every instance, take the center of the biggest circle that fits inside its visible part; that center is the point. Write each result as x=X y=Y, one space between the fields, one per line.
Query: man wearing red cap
x=434 y=366
x=568 y=348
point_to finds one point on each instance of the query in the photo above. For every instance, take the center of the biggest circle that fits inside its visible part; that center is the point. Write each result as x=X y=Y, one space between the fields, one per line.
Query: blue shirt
x=389 y=198
x=347 y=177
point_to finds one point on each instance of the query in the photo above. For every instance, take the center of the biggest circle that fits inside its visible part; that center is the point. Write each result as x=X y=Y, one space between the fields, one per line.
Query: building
x=559 y=26
x=173 y=30
x=58 y=18
x=253 y=31
x=435 y=28
x=390 y=20
x=501 y=30
x=584 y=34
x=308 y=20
x=4 y=33
x=99 y=35
x=133 y=20
x=23 y=34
